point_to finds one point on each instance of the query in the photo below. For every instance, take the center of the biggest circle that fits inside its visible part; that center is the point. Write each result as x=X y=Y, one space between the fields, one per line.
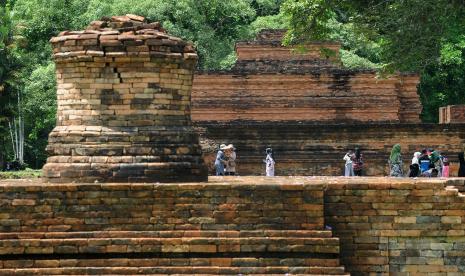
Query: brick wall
x=264 y=226
x=452 y=114
x=151 y=207
x=268 y=46
x=395 y=227
x=248 y=225
x=335 y=96
x=309 y=149
x=270 y=82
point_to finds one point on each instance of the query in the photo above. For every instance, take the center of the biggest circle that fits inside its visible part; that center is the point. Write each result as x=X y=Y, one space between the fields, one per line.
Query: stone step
x=166 y=234
x=173 y=260
x=156 y=244
x=183 y=270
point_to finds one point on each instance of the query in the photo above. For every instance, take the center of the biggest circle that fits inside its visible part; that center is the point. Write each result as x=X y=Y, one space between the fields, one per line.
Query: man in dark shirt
x=424 y=161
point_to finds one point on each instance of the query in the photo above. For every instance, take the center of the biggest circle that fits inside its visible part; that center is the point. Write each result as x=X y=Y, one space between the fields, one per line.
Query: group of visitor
x=427 y=163
x=354 y=163
x=225 y=162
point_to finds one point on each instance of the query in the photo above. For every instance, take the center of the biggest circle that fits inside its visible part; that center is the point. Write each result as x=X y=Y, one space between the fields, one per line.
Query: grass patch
x=27 y=173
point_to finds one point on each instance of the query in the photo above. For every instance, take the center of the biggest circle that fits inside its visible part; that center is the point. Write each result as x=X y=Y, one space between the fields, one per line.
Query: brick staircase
x=302 y=252
x=119 y=229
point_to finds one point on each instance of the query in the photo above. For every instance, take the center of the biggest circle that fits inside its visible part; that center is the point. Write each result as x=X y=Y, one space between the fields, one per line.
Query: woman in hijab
x=358 y=162
x=395 y=162
x=220 y=160
x=462 y=165
x=269 y=161
x=437 y=161
x=415 y=166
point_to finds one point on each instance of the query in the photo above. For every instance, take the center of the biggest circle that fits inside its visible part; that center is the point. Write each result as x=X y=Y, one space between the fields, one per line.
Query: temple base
x=149 y=154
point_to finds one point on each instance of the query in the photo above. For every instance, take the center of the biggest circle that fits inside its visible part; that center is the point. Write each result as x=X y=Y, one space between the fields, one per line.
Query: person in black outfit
x=358 y=162
x=414 y=170
x=462 y=165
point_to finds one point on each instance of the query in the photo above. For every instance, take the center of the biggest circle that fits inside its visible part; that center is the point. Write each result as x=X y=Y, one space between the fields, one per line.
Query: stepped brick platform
x=271 y=82
x=226 y=227
x=234 y=225
x=311 y=149
x=123 y=88
x=311 y=111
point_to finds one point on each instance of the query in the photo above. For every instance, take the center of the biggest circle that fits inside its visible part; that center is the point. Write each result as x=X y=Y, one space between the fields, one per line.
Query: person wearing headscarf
x=416 y=158
x=220 y=160
x=358 y=162
x=445 y=167
x=230 y=152
x=436 y=160
x=415 y=166
x=395 y=162
x=349 y=158
x=462 y=165
x=269 y=161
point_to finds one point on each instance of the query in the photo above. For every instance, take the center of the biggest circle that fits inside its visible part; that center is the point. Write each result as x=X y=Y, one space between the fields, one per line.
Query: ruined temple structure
x=123 y=105
x=452 y=114
x=270 y=82
x=311 y=110
x=234 y=226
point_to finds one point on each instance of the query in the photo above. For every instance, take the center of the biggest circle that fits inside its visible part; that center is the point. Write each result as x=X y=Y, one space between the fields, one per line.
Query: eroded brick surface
x=248 y=225
x=304 y=148
x=123 y=88
x=270 y=82
x=229 y=226
x=398 y=228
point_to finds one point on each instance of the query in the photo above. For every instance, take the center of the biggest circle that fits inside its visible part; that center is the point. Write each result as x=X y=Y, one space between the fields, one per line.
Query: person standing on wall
x=349 y=157
x=424 y=161
x=269 y=161
x=358 y=162
x=445 y=168
x=415 y=166
x=220 y=160
x=230 y=152
x=395 y=162
x=462 y=164
x=436 y=160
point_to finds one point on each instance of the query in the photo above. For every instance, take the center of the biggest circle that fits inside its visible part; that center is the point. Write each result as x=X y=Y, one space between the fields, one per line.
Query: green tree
x=8 y=78
x=212 y=25
x=414 y=35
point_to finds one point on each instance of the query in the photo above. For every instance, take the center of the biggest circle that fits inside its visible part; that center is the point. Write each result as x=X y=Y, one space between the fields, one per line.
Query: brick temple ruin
x=270 y=82
x=124 y=110
x=311 y=110
x=452 y=114
x=123 y=105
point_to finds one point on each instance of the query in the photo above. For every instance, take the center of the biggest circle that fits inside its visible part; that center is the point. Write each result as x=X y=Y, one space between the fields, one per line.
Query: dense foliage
x=416 y=35
x=212 y=25
x=426 y=36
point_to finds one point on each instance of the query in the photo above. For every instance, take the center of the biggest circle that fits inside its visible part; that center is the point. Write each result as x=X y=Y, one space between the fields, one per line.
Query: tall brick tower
x=124 y=91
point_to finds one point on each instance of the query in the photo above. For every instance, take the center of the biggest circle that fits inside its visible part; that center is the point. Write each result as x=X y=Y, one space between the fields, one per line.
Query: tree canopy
x=426 y=36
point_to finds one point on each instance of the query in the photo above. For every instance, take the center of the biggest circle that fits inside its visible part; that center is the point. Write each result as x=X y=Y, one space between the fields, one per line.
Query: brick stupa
x=124 y=88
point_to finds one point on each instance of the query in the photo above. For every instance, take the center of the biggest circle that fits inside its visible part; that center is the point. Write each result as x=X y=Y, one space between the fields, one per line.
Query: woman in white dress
x=269 y=161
